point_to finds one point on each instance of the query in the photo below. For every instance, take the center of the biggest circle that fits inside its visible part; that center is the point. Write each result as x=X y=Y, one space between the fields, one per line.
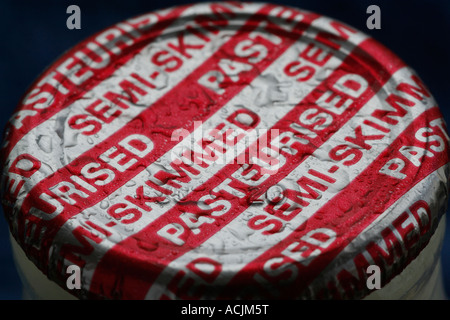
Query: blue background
x=33 y=34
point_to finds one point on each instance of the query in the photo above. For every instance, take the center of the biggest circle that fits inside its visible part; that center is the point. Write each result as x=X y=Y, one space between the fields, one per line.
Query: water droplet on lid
x=104 y=204
x=342 y=180
x=344 y=206
x=71 y=140
x=130 y=183
x=113 y=196
x=323 y=74
x=165 y=200
x=45 y=143
x=275 y=193
x=147 y=246
x=86 y=214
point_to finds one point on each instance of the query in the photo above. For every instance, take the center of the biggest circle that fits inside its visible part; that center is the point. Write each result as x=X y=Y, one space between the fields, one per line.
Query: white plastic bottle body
x=422 y=279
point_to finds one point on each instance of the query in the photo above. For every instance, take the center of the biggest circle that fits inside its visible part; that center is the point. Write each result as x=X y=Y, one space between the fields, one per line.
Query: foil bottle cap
x=225 y=150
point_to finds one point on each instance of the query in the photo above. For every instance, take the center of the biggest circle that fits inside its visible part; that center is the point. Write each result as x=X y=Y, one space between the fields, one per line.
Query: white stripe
x=55 y=144
x=247 y=98
x=228 y=239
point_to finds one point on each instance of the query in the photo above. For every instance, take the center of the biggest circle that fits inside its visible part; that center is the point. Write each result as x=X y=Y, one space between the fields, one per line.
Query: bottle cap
x=225 y=150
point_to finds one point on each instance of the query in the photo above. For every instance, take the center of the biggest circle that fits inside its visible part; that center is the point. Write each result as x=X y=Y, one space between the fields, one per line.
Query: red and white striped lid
x=225 y=150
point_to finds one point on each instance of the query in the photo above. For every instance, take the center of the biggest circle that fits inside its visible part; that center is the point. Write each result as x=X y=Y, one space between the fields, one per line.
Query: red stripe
x=350 y=224
x=168 y=119
x=137 y=276
x=62 y=101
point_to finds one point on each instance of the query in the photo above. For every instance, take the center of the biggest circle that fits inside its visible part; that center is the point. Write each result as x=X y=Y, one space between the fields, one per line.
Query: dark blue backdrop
x=34 y=33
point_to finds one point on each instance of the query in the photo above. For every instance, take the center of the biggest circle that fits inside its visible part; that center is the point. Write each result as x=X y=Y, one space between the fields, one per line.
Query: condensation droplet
x=104 y=204
x=71 y=140
x=323 y=74
x=130 y=183
x=45 y=143
x=275 y=193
